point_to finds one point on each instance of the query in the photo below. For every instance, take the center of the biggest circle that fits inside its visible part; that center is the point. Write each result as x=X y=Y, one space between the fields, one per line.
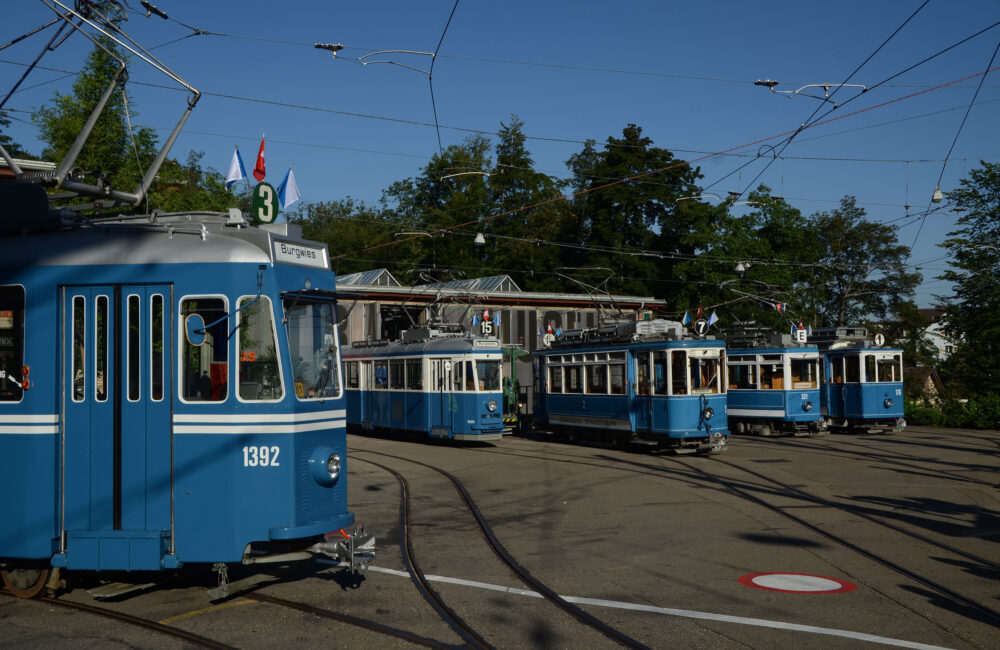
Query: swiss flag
x=258 y=169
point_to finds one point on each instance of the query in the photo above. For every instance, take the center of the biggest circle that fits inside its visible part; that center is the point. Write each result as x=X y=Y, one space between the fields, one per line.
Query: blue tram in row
x=642 y=382
x=774 y=383
x=437 y=382
x=157 y=408
x=861 y=386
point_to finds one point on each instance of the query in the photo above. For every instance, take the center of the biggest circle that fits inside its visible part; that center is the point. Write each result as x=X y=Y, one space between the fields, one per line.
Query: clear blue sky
x=571 y=71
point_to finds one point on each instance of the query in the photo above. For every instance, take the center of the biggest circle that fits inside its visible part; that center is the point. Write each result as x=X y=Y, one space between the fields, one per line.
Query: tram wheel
x=25 y=583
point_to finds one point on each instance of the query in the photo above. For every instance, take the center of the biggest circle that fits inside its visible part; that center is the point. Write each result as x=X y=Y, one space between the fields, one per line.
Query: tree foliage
x=972 y=313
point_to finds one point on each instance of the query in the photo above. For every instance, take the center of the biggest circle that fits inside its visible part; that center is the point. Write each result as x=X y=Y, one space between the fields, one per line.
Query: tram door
x=641 y=398
x=366 y=380
x=117 y=391
x=442 y=402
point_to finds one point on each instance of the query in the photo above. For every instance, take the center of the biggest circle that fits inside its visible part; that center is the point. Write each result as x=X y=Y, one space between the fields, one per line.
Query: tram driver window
x=313 y=347
x=258 y=370
x=11 y=344
x=204 y=376
x=678 y=373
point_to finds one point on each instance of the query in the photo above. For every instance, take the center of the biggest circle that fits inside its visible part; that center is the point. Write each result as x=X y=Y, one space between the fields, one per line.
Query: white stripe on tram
x=245 y=429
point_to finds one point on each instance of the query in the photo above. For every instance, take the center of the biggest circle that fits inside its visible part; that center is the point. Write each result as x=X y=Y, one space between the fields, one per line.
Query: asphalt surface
x=834 y=542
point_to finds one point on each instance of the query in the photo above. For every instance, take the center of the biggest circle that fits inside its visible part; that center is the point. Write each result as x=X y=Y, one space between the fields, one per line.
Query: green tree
x=861 y=268
x=632 y=227
x=439 y=201
x=972 y=312
x=12 y=148
x=519 y=232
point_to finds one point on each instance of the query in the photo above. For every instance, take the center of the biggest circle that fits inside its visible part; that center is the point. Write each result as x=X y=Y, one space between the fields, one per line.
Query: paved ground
x=842 y=541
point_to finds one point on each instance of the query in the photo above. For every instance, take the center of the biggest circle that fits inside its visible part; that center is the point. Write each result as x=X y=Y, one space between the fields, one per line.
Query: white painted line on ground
x=668 y=611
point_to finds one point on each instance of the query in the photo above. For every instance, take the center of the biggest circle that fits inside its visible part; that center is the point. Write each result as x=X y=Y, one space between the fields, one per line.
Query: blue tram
x=773 y=384
x=436 y=382
x=861 y=385
x=641 y=382
x=170 y=393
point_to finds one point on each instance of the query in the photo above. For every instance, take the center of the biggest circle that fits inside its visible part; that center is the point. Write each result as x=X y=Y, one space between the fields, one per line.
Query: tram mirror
x=194 y=329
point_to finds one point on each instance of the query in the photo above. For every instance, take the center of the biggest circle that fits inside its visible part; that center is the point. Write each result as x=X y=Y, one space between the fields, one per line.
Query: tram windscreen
x=314 y=349
x=488 y=373
x=805 y=373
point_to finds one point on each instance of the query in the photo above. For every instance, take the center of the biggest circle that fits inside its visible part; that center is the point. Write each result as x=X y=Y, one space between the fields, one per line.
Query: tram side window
x=79 y=348
x=555 y=379
x=204 y=376
x=396 y=374
x=853 y=369
x=574 y=379
x=743 y=375
x=415 y=374
x=259 y=373
x=837 y=370
x=157 y=335
x=456 y=376
x=597 y=378
x=660 y=372
x=678 y=373
x=617 y=383
x=381 y=375
x=351 y=370
x=12 y=344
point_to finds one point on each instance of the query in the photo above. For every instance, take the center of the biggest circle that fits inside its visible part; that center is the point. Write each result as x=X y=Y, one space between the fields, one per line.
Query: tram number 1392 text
x=262 y=456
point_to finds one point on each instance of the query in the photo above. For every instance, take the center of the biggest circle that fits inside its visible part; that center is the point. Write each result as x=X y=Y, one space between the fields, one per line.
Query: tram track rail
x=501 y=552
x=987 y=613
x=121 y=617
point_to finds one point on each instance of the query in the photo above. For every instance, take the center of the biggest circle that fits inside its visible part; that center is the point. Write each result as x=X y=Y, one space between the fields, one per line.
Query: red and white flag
x=258 y=169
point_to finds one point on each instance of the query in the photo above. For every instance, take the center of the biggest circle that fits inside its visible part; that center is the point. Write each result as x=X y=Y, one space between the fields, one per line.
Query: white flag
x=237 y=171
x=288 y=191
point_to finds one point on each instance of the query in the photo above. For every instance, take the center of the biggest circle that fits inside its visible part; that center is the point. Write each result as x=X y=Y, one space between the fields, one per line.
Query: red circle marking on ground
x=797 y=583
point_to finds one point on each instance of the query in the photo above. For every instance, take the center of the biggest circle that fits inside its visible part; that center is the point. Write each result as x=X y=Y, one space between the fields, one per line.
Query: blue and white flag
x=687 y=319
x=288 y=191
x=237 y=172
x=713 y=319
x=496 y=319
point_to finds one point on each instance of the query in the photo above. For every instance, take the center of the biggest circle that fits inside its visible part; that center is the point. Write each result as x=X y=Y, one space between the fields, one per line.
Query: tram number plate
x=262 y=456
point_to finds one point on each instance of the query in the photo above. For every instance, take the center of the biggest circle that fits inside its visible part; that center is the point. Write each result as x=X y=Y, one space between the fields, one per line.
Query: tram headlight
x=808 y=406
x=491 y=405
x=708 y=413
x=888 y=402
x=325 y=465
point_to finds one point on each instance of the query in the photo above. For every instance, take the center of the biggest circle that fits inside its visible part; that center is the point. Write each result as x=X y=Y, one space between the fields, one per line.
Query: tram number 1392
x=262 y=456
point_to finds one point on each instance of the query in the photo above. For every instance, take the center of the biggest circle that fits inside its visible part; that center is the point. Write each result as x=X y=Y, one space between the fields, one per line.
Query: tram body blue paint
x=174 y=486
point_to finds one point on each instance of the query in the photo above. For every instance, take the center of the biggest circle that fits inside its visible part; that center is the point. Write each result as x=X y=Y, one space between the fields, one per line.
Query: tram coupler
x=355 y=549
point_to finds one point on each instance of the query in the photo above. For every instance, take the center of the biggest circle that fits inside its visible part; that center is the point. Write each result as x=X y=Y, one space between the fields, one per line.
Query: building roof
x=492 y=283
x=373 y=278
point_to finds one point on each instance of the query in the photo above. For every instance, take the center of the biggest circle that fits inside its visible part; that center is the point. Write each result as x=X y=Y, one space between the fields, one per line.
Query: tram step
x=116 y=589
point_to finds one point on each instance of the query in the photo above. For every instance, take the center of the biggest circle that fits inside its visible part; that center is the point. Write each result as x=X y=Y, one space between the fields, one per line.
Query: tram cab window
x=889 y=369
x=642 y=373
x=853 y=367
x=869 y=368
x=660 y=372
x=743 y=374
x=414 y=374
x=678 y=373
x=456 y=376
x=259 y=373
x=705 y=374
x=488 y=373
x=470 y=376
x=12 y=344
x=204 y=373
x=804 y=373
x=314 y=348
